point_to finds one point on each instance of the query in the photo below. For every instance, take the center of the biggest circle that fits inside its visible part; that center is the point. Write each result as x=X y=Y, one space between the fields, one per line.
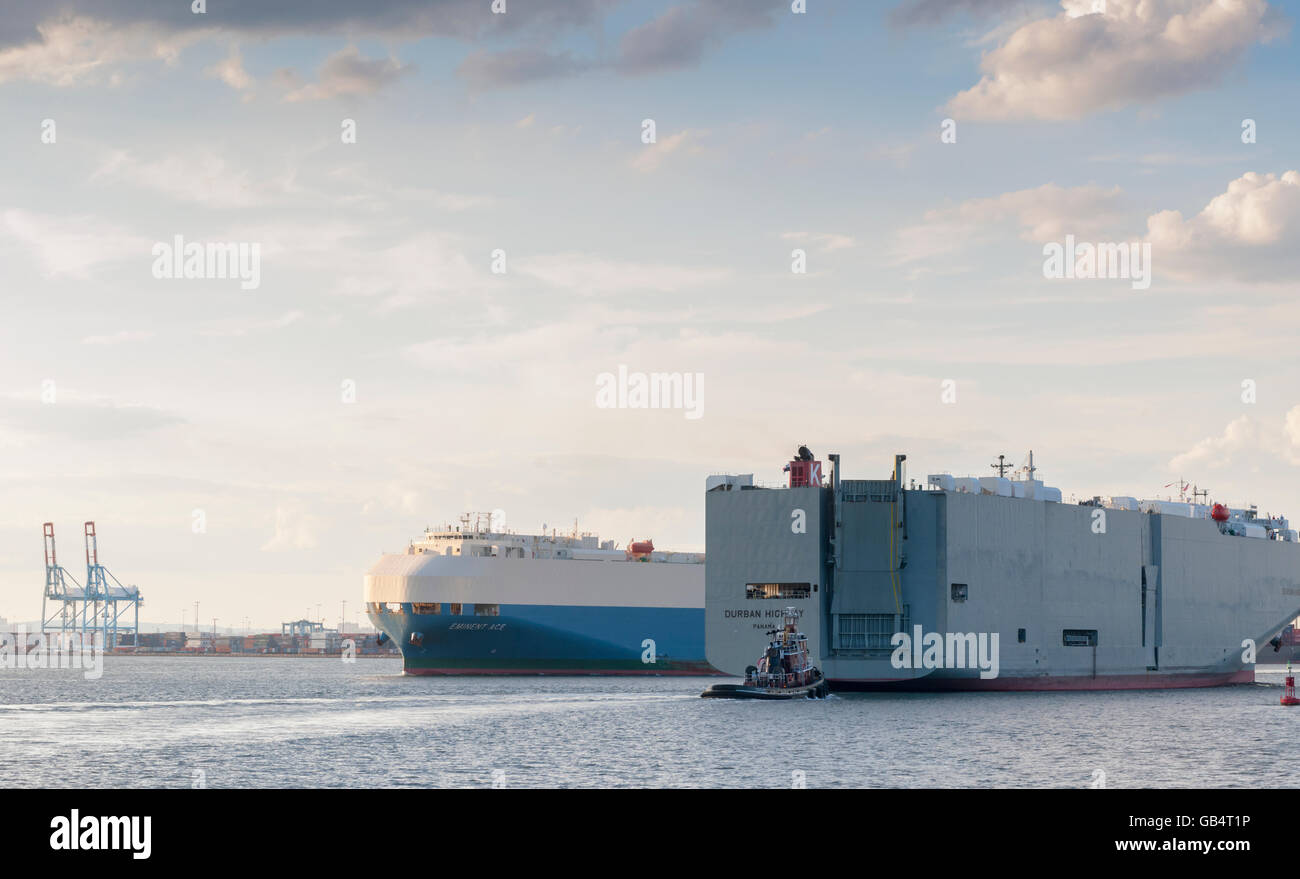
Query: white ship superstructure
x=474 y=598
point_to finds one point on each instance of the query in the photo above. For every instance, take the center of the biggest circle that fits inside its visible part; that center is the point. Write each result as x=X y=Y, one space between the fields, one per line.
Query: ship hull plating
x=1047 y=682
x=552 y=640
x=461 y=615
x=1037 y=595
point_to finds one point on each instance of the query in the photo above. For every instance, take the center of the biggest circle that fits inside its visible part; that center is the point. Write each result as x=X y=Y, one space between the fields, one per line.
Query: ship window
x=1020 y=634
x=958 y=591
x=1079 y=637
x=427 y=608
x=487 y=610
x=783 y=591
x=455 y=610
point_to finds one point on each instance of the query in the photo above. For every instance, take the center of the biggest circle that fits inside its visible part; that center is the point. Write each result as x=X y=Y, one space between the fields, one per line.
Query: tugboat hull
x=816 y=690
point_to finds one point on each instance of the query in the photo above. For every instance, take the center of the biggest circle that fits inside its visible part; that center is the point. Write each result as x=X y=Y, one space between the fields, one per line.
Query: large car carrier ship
x=475 y=598
x=993 y=582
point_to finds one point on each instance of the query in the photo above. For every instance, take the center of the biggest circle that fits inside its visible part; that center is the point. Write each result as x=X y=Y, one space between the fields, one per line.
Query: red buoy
x=1288 y=692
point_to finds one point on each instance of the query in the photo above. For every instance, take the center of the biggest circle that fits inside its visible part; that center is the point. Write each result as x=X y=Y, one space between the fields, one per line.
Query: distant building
x=303 y=627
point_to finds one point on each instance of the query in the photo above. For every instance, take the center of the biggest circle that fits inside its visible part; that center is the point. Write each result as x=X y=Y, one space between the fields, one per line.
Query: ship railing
x=785 y=679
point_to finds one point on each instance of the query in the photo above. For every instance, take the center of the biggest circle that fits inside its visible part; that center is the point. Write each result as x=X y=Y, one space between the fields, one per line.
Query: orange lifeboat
x=640 y=549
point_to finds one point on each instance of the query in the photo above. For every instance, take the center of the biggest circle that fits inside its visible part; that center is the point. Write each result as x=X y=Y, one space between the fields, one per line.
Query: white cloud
x=420 y=268
x=72 y=247
x=1137 y=51
x=589 y=274
x=826 y=242
x=294 y=529
x=348 y=72
x=118 y=338
x=1244 y=441
x=1249 y=232
x=204 y=178
x=230 y=70
x=652 y=155
x=1045 y=213
x=74 y=50
x=247 y=329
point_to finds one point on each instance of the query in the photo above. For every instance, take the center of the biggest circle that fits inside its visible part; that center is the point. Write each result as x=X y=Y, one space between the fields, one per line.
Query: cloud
x=589 y=274
x=516 y=66
x=1244 y=439
x=75 y=50
x=652 y=155
x=202 y=178
x=680 y=36
x=72 y=247
x=1045 y=213
x=418 y=269
x=925 y=13
x=248 y=329
x=230 y=70
x=826 y=242
x=90 y=41
x=118 y=338
x=398 y=19
x=1249 y=232
x=294 y=529
x=348 y=72
x=75 y=417
x=1137 y=51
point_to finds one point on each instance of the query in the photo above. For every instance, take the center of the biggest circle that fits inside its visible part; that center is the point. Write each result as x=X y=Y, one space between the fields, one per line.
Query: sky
x=838 y=231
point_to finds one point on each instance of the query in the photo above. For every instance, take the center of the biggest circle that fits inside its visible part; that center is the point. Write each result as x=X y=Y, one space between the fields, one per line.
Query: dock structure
x=103 y=605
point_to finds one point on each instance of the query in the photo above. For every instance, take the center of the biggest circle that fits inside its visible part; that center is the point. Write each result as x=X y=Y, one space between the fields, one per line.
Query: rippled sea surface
x=311 y=722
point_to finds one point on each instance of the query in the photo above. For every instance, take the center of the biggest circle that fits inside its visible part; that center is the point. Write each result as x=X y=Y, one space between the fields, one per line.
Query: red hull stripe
x=1103 y=682
x=566 y=672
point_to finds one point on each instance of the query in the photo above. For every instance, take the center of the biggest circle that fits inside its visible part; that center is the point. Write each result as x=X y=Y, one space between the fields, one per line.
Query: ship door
x=1150 y=614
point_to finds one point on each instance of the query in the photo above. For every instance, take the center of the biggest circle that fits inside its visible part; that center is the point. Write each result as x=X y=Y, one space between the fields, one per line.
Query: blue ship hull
x=550 y=639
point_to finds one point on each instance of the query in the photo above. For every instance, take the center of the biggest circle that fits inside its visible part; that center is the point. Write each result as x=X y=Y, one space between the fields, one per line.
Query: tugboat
x=783 y=671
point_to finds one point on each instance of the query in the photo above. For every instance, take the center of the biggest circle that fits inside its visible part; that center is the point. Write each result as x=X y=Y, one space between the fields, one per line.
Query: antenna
x=1001 y=466
x=1029 y=468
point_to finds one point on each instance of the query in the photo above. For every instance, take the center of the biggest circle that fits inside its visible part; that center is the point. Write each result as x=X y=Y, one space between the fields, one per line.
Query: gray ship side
x=991 y=592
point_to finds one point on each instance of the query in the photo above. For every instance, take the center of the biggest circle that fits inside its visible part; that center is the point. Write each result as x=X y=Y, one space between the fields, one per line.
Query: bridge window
x=784 y=591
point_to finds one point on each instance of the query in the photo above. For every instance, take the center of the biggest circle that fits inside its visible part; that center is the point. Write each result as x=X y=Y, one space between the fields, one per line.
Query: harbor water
x=253 y=722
